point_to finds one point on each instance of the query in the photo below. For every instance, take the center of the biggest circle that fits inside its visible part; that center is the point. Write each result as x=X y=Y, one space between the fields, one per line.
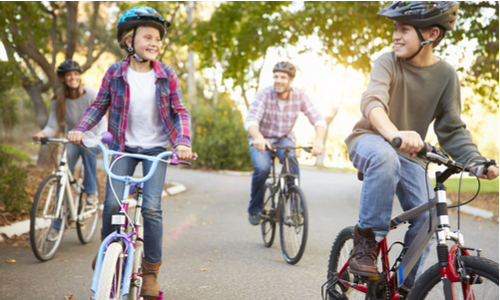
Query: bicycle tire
x=46 y=197
x=293 y=225
x=110 y=276
x=268 y=225
x=136 y=282
x=86 y=228
x=339 y=255
x=428 y=285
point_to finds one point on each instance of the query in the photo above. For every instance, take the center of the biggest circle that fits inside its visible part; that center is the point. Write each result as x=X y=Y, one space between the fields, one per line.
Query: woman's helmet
x=284 y=66
x=139 y=16
x=68 y=65
x=423 y=13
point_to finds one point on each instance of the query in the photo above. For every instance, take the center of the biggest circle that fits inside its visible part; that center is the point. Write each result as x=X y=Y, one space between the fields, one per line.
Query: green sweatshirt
x=413 y=97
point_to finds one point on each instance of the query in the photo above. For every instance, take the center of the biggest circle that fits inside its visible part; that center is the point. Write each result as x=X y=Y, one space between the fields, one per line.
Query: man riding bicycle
x=271 y=118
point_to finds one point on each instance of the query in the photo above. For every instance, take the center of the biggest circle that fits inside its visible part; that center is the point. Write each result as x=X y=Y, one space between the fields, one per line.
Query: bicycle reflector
x=118 y=219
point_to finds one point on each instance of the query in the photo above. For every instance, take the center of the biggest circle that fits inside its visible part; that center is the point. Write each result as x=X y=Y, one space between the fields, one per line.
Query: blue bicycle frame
x=125 y=236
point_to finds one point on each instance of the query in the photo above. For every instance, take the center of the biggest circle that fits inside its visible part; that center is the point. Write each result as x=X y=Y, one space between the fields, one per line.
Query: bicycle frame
x=67 y=182
x=127 y=233
x=439 y=226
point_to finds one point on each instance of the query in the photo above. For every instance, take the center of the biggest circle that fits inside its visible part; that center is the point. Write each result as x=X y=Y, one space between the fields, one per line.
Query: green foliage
x=220 y=139
x=239 y=33
x=13 y=180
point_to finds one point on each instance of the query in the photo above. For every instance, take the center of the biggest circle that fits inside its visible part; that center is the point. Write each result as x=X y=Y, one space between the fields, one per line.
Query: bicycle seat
x=360 y=176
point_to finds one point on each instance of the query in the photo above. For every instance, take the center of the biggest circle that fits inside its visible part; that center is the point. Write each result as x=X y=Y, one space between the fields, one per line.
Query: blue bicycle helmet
x=139 y=16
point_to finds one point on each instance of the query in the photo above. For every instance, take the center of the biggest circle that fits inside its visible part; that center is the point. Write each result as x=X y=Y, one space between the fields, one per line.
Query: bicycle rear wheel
x=89 y=214
x=47 y=229
x=483 y=282
x=293 y=225
x=339 y=256
x=268 y=225
x=110 y=278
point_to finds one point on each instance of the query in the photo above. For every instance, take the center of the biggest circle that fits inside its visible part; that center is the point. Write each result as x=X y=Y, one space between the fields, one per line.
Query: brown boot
x=150 y=287
x=363 y=257
x=95 y=258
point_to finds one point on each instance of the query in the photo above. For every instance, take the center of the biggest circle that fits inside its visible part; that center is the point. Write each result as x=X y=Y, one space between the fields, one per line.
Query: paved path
x=211 y=252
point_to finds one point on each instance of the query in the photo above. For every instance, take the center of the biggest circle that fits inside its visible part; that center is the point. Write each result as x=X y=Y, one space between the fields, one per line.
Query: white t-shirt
x=144 y=124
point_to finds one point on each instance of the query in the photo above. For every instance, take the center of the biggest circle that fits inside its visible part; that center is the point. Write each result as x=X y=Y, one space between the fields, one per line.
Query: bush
x=13 y=180
x=220 y=139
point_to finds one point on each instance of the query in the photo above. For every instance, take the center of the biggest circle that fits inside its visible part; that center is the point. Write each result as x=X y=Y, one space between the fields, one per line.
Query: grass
x=470 y=185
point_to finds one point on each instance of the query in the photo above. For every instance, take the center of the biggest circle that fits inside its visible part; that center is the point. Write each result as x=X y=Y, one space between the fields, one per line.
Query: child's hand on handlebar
x=492 y=173
x=411 y=142
x=75 y=137
x=183 y=152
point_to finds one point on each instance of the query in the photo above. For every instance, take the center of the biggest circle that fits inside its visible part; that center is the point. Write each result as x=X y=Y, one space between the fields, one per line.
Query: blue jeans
x=262 y=164
x=387 y=174
x=89 y=164
x=151 y=206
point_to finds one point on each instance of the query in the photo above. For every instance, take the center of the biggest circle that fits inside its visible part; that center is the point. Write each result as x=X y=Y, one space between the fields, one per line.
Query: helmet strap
x=423 y=43
x=131 y=51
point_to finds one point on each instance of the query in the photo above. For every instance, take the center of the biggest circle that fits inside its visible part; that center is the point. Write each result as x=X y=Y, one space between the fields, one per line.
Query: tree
x=351 y=32
x=34 y=32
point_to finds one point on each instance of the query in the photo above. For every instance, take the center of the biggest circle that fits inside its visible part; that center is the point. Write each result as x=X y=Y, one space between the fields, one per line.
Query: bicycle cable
x=111 y=183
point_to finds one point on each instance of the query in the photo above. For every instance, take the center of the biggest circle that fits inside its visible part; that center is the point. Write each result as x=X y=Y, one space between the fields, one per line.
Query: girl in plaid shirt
x=146 y=112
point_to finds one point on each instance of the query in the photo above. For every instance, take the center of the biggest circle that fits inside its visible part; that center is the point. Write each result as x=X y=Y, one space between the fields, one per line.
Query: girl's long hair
x=61 y=102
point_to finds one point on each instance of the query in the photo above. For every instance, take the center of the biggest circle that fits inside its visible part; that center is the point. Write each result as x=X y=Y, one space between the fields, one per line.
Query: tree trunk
x=320 y=160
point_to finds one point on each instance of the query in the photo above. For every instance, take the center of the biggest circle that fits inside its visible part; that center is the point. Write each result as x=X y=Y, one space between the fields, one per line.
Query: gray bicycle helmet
x=284 y=66
x=423 y=13
x=68 y=65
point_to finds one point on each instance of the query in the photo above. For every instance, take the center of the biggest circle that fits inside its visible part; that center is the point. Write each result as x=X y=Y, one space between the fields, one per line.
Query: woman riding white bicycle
x=65 y=111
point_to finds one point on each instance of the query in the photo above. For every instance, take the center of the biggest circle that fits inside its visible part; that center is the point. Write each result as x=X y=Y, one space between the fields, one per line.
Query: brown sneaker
x=363 y=257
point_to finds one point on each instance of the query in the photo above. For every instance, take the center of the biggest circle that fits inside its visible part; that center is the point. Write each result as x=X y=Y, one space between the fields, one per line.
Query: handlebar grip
x=44 y=140
x=106 y=137
x=396 y=143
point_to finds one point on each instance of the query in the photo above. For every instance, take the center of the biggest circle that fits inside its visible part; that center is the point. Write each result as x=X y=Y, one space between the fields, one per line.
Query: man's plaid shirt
x=275 y=123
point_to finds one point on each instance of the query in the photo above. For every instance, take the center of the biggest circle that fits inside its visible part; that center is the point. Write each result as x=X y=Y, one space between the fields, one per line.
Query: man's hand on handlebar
x=75 y=137
x=261 y=144
x=317 y=148
x=411 y=142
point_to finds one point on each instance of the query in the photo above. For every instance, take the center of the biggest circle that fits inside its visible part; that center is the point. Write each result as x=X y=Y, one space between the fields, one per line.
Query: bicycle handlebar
x=155 y=159
x=308 y=149
x=434 y=155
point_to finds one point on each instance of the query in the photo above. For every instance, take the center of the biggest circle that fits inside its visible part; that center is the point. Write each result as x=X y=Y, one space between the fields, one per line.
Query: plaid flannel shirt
x=115 y=95
x=274 y=123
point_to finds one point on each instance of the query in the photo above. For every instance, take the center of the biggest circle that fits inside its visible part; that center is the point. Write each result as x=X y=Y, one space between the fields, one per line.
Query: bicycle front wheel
x=135 y=284
x=339 y=257
x=293 y=225
x=268 y=225
x=47 y=228
x=110 y=278
x=88 y=215
x=482 y=284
